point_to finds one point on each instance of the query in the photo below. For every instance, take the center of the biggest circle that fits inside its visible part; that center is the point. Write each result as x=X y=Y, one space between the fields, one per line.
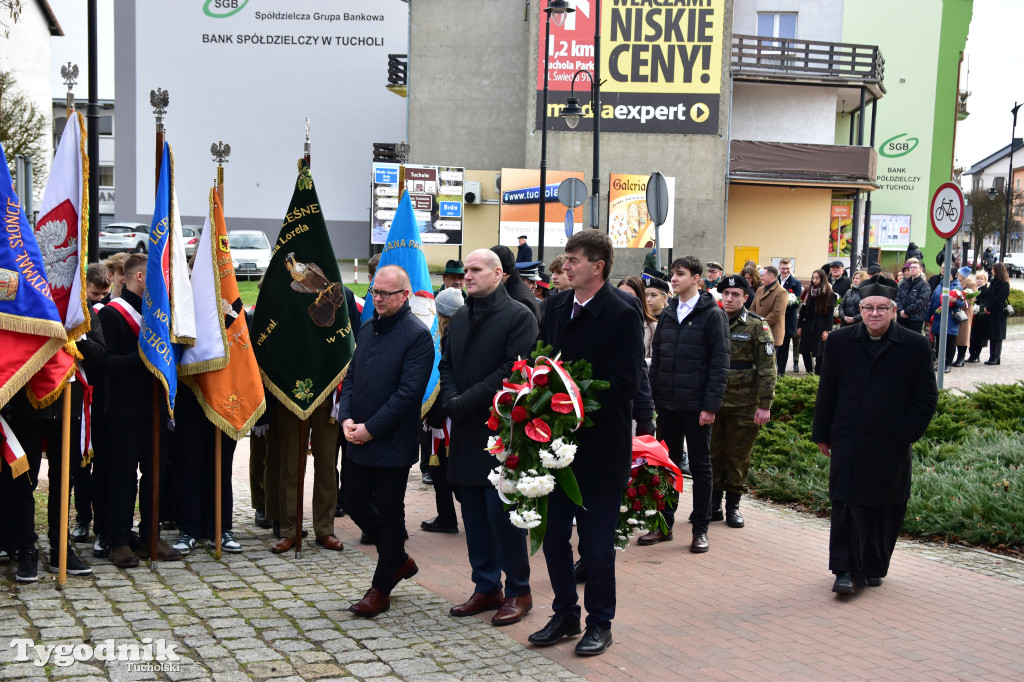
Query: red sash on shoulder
x=130 y=315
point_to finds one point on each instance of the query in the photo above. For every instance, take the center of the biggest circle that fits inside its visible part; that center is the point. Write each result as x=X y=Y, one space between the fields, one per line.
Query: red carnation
x=661 y=506
x=637 y=506
x=631 y=493
x=655 y=479
x=658 y=495
x=641 y=489
x=512 y=461
x=504 y=398
x=540 y=380
x=493 y=423
x=519 y=414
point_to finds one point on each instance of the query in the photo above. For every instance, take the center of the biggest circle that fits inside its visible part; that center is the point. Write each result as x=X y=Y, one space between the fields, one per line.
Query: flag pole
x=220 y=155
x=158 y=99
x=65 y=474
x=303 y=448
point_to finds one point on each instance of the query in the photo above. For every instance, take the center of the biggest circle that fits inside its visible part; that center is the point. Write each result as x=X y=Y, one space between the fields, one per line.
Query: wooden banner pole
x=65 y=488
x=303 y=449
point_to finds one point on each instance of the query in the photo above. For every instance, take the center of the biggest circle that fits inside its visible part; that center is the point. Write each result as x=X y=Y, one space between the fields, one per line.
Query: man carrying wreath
x=597 y=325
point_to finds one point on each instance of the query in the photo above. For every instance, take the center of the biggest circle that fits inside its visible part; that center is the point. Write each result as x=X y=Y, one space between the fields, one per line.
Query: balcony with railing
x=808 y=62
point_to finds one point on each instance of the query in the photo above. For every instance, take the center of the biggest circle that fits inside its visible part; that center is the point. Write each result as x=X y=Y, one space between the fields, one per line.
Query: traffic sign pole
x=940 y=367
x=947 y=215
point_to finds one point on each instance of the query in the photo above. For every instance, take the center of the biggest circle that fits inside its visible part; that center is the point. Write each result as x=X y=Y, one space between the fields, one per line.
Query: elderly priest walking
x=876 y=396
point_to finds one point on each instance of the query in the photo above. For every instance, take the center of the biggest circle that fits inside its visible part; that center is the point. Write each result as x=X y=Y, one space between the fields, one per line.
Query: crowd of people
x=692 y=357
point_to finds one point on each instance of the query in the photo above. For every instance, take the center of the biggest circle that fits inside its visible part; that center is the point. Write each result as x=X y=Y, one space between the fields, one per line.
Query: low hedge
x=968 y=475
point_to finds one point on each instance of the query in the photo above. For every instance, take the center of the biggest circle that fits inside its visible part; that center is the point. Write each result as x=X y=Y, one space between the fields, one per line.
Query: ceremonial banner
x=221 y=368
x=156 y=341
x=303 y=335
x=404 y=248
x=31 y=330
x=14 y=454
x=63 y=230
x=183 y=321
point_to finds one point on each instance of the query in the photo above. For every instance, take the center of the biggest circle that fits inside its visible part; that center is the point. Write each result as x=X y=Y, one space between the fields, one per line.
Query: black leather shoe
x=432 y=526
x=262 y=521
x=959 y=362
x=339 y=512
x=558 y=626
x=949 y=368
x=700 y=543
x=990 y=361
x=733 y=518
x=80 y=533
x=972 y=359
x=594 y=641
x=843 y=584
x=874 y=582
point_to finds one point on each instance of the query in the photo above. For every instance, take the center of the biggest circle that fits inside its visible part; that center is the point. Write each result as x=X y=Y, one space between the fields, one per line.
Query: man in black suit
x=597 y=325
x=525 y=254
x=789 y=282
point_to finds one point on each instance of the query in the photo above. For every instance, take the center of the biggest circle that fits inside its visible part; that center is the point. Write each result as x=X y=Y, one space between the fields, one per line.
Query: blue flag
x=159 y=353
x=403 y=248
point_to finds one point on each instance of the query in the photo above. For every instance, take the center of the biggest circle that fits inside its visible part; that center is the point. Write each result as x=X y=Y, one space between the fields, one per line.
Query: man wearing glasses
x=876 y=396
x=912 y=297
x=379 y=411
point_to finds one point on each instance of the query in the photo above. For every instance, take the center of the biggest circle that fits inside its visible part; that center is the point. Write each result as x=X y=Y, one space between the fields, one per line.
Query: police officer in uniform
x=748 y=399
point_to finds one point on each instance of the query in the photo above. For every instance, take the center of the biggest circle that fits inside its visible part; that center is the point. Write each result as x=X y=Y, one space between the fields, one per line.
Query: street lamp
x=1009 y=187
x=572 y=113
x=556 y=11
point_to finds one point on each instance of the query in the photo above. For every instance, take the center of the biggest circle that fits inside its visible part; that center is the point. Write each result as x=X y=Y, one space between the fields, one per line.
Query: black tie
x=576 y=308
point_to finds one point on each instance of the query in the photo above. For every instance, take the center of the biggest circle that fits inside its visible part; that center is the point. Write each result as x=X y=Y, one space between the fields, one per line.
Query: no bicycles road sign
x=947 y=210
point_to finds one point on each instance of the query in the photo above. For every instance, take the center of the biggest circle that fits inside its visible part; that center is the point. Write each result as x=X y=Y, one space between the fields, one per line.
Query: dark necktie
x=576 y=308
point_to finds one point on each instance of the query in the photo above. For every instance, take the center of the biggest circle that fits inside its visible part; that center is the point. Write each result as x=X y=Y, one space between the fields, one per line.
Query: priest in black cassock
x=876 y=396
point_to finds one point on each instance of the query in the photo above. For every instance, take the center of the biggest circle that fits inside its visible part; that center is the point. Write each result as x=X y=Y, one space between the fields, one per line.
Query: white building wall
x=816 y=19
x=26 y=53
x=783 y=113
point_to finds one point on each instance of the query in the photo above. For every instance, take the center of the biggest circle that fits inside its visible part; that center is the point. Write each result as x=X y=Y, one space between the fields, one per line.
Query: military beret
x=659 y=284
x=734 y=282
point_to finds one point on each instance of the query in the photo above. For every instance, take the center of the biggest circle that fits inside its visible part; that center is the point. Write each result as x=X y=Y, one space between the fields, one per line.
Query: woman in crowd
x=998 y=297
x=979 y=324
x=956 y=303
x=634 y=286
x=963 y=336
x=753 y=278
x=849 y=307
x=814 y=321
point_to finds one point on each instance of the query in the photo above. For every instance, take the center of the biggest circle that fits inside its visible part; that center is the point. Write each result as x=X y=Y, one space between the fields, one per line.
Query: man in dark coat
x=595 y=324
x=876 y=396
x=485 y=337
x=689 y=372
x=514 y=285
x=379 y=411
x=837 y=278
x=789 y=282
x=525 y=254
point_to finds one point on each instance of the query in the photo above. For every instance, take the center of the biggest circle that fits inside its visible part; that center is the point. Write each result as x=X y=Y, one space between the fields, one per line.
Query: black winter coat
x=812 y=324
x=995 y=303
x=518 y=291
x=607 y=333
x=850 y=306
x=793 y=286
x=690 y=362
x=129 y=385
x=840 y=284
x=384 y=386
x=871 y=409
x=485 y=338
x=913 y=297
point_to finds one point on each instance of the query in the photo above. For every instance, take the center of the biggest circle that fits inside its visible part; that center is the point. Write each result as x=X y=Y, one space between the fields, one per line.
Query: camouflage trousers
x=732 y=439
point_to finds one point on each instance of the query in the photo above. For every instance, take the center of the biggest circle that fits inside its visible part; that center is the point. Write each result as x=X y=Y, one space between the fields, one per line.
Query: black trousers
x=782 y=352
x=912 y=325
x=131 y=452
x=995 y=348
x=17 y=505
x=596 y=521
x=375 y=499
x=443 y=497
x=673 y=427
x=862 y=539
x=34 y=435
x=195 y=467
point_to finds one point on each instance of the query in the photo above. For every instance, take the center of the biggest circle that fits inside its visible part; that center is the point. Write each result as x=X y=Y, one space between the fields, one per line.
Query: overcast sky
x=991 y=70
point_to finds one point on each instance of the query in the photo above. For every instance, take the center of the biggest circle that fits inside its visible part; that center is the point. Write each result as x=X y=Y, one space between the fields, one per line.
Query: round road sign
x=947 y=210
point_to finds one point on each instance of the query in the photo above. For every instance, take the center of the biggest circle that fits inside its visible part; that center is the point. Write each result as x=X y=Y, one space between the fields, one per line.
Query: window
x=106 y=125
x=106 y=176
x=776 y=24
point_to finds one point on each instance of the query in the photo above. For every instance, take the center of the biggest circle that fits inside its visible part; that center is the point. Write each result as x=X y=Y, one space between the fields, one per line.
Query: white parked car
x=1014 y=263
x=250 y=253
x=191 y=233
x=128 y=237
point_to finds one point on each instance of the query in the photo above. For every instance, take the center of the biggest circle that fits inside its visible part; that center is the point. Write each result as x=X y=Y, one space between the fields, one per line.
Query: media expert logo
x=895 y=147
x=63 y=655
x=219 y=9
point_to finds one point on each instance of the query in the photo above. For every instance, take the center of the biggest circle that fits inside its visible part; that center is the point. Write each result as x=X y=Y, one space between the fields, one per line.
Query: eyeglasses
x=880 y=310
x=384 y=295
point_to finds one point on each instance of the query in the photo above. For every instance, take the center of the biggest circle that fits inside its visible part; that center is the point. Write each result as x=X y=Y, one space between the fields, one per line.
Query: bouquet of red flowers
x=653 y=477
x=536 y=414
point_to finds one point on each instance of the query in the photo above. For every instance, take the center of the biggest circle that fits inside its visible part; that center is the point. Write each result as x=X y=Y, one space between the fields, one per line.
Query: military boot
x=716 y=506
x=732 y=510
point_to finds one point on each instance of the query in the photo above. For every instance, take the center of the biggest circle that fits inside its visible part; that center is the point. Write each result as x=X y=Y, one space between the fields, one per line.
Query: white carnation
x=536 y=486
x=566 y=451
x=622 y=509
x=554 y=460
x=502 y=456
x=633 y=522
x=650 y=512
x=495 y=476
x=528 y=519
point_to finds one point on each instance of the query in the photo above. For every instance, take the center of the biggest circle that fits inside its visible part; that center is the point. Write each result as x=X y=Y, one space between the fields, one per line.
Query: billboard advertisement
x=890 y=232
x=436 y=193
x=519 y=213
x=661 y=65
x=840 y=233
x=249 y=73
x=629 y=224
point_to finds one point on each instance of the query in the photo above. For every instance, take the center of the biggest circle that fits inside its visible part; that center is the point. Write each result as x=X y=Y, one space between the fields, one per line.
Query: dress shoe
x=580 y=569
x=365 y=539
x=406 y=571
x=100 y=548
x=594 y=641
x=372 y=603
x=843 y=584
x=733 y=518
x=428 y=478
x=432 y=526
x=990 y=361
x=283 y=545
x=331 y=542
x=339 y=512
x=874 y=582
x=700 y=543
x=654 y=537
x=164 y=552
x=972 y=359
x=262 y=521
x=478 y=603
x=959 y=362
x=558 y=626
x=80 y=533
x=123 y=557
x=716 y=514
x=513 y=609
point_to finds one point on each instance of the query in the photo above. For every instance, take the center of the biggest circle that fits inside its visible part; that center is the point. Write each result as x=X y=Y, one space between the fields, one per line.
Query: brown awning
x=819 y=165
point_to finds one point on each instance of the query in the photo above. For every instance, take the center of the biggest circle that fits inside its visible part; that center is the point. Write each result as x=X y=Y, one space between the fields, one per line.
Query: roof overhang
x=803 y=165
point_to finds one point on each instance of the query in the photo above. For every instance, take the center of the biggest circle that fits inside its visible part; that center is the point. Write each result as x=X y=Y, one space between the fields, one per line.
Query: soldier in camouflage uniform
x=748 y=400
